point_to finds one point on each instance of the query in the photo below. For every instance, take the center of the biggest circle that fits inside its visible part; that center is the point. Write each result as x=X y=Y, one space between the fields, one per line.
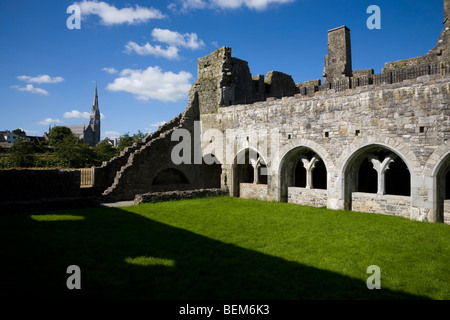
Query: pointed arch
x=298 y=169
x=248 y=167
x=441 y=182
x=381 y=157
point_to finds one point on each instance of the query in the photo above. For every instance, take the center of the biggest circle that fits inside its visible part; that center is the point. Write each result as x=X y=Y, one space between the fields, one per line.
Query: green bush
x=5 y=162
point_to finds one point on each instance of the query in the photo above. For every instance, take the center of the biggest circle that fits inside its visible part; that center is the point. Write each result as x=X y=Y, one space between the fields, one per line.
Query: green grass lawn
x=222 y=248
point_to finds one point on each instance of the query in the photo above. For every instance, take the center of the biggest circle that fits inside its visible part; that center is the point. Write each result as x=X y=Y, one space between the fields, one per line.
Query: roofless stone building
x=358 y=140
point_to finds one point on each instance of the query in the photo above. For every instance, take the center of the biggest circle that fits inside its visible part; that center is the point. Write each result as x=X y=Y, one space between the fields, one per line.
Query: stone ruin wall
x=336 y=127
x=404 y=109
x=31 y=190
x=148 y=167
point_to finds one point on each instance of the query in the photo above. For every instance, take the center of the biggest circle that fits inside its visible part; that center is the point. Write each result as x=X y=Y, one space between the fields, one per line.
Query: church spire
x=95 y=119
x=95 y=112
x=95 y=103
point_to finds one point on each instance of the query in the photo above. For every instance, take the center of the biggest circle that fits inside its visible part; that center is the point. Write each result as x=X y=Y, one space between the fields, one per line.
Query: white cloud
x=30 y=88
x=158 y=124
x=228 y=4
x=189 y=4
x=112 y=134
x=49 y=121
x=110 y=15
x=170 y=53
x=173 y=38
x=251 y=4
x=153 y=84
x=75 y=114
x=31 y=132
x=110 y=70
x=43 y=78
x=174 y=41
x=152 y=127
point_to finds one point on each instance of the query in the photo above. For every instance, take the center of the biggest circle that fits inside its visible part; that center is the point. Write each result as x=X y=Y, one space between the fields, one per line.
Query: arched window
x=302 y=167
x=384 y=172
x=261 y=168
x=248 y=167
x=320 y=175
x=367 y=178
x=398 y=179
x=442 y=191
x=375 y=169
x=310 y=164
x=248 y=174
x=300 y=175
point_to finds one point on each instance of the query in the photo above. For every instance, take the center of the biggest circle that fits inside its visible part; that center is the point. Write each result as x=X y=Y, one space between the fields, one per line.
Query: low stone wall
x=253 y=191
x=35 y=190
x=307 y=197
x=447 y=211
x=27 y=185
x=178 y=195
x=385 y=204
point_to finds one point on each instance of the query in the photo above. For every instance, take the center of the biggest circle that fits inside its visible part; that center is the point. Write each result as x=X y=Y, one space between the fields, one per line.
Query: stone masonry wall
x=404 y=110
x=411 y=118
x=178 y=195
x=154 y=155
x=331 y=122
x=253 y=191
x=107 y=172
x=387 y=204
x=26 y=185
x=338 y=61
x=307 y=197
x=42 y=190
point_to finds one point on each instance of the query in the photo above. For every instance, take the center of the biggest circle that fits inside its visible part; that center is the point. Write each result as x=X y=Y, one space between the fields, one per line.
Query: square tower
x=338 y=61
x=446 y=11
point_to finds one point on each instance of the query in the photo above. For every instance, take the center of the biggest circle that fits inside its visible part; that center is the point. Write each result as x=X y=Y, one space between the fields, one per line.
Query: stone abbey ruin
x=356 y=140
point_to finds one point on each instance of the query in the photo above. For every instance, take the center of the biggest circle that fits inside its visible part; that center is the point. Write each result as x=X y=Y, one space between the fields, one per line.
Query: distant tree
x=74 y=153
x=22 y=153
x=43 y=146
x=19 y=132
x=139 y=136
x=104 y=151
x=126 y=140
x=58 y=134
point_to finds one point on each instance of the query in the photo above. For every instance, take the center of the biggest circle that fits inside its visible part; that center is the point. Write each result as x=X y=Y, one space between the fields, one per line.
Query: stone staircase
x=129 y=155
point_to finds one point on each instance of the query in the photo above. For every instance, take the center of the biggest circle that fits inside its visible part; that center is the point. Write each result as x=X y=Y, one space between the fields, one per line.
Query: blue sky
x=143 y=54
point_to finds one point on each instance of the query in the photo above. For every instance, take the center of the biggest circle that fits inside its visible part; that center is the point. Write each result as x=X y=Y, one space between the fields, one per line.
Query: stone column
x=255 y=175
x=254 y=163
x=309 y=165
x=381 y=168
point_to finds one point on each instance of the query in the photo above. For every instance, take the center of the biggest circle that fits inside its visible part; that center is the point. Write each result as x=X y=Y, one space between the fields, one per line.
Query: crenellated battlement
x=224 y=80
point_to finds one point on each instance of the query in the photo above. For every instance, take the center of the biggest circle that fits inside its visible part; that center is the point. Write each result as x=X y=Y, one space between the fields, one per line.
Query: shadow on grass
x=123 y=255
